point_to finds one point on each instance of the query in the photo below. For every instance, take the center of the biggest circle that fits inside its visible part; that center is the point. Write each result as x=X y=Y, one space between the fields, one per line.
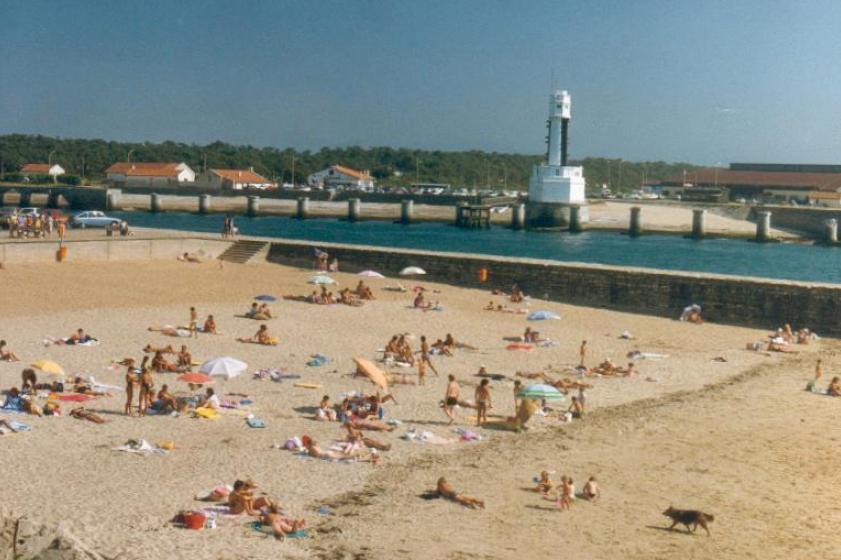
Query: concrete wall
x=725 y=299
x=809 y=221
x=131 y=249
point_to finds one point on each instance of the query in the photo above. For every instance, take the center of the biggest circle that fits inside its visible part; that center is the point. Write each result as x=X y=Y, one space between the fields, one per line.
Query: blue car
x=92 y=218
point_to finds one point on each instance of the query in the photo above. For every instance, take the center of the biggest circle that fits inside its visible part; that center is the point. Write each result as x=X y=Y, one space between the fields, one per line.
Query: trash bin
x=61 y=254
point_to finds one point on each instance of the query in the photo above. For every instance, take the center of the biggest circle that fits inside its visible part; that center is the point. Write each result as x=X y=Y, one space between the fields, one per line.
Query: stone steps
x=243 y=251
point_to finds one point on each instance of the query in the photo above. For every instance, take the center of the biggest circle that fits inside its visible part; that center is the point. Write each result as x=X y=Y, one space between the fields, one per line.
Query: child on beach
x=194 y=322
x=591 y=491
x=483 y=402
x=566 y=493
x=544 y=484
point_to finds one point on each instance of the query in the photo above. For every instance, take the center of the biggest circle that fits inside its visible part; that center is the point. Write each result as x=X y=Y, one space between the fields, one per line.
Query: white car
x=92 y=218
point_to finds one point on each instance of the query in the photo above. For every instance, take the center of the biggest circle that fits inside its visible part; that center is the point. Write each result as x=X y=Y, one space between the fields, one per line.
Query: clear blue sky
x=700 y=81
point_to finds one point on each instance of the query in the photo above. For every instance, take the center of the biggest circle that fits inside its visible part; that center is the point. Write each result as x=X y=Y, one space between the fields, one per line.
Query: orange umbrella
x=195 y=378
x=370 y=370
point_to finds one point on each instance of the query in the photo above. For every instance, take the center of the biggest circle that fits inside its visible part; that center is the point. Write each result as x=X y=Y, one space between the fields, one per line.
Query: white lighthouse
x=555 y=182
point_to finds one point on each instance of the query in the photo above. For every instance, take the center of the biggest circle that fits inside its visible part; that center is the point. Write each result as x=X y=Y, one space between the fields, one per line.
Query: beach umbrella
x=541 y=391
x=265 y=297
x=320 y=279
x=226 y=367
x=195 y=378
x=370 y=370
x=542 y=316
x=412 y=271
x=48 y=366
x=370 y=274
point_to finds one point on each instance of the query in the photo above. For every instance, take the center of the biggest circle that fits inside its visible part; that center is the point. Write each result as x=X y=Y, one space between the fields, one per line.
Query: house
x=31 y=169
x=829 y=199
x=233 y=180
x=149 y=175
x=339 y=176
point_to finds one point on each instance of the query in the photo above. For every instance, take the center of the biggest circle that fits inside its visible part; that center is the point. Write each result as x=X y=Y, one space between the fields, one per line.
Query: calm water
x=723 y=256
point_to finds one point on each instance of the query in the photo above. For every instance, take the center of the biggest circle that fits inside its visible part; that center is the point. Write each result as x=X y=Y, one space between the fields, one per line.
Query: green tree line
x=88 y=158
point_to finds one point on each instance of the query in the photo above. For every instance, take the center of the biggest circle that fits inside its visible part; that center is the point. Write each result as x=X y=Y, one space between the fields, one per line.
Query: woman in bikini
x=131 y=382
x=483 y=402
x=279 y=523
x=147 y=390
x=444 y=490
x=242 y=500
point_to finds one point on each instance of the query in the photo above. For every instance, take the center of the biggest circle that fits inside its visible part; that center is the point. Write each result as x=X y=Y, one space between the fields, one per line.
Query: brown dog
x=689 y=517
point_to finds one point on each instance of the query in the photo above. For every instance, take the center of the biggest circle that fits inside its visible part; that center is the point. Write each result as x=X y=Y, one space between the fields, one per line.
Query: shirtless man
x=194 y=322
x=185 y=359
x=483 y=402
x=209 y=325
x=424 y=352
x=242 y=500
x=131 y=382
x=591 y=490
x=444 y=490
x=582 y=352
x=451 y=398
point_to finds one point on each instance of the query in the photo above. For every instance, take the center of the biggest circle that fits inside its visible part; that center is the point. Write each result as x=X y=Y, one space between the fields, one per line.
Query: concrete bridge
x=53 y=196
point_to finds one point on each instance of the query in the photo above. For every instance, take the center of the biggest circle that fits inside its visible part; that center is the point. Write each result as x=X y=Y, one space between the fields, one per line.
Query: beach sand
x=739 y=439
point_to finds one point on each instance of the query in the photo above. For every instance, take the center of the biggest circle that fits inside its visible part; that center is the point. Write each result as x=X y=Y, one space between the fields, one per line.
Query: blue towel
x=255 y=423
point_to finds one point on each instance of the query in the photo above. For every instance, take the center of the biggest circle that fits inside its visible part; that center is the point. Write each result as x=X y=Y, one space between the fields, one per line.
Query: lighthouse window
x=557 y=172
x=559 y=106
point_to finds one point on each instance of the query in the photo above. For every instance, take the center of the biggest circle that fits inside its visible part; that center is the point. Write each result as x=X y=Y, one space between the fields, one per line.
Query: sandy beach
x=711 y=427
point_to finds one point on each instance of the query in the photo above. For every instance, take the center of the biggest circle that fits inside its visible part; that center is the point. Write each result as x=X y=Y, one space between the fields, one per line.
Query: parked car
x=92 y=218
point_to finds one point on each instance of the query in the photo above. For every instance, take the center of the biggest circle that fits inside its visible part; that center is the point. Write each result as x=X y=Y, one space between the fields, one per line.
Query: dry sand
x=755 y=450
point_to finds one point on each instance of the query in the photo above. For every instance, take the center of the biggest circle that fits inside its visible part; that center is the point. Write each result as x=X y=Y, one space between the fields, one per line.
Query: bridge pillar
x=763 y=226
x=25 y=199
x=112 y=199
x=831 y=231
x=635 y=227
x=154 y=202
x=303 y=208
x=353 y=209
x=698 y=215
x=407 y=210
x=575 y=223
x=253 y=205
x=204 y=203
x=518 y=216
x=53 y=199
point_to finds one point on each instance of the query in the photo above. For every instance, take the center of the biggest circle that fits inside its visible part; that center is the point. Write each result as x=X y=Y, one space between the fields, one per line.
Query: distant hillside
x=391 y=166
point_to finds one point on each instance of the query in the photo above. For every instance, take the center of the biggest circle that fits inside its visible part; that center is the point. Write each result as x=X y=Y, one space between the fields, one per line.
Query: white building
x=149 y=175
x=555 y=182
x=53 y=170
x=339 y=176
x=233 y=180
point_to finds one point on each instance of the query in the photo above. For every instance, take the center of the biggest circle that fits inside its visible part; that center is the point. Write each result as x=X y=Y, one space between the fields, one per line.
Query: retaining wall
x=809 y=221
x=725 y=299
x=132 y=249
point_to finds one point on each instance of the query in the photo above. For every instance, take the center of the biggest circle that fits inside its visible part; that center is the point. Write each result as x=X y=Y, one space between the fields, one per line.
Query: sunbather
x=325 y=411
x=242 y=500
x=84 y=414
x=444 y=490
x=313 y=450
x=260 y=337
x=280 y=524
x=209 y=326
x=7 y=355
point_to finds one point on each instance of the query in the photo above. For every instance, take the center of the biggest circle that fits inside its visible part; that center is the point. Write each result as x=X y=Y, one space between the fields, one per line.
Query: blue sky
x=701 y=81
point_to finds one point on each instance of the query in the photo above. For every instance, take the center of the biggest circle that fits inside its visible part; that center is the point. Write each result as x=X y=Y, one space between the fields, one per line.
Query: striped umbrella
x=540 y=391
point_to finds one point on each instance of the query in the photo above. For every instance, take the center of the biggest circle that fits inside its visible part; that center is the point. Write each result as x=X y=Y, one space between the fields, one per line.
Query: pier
x=473 y=216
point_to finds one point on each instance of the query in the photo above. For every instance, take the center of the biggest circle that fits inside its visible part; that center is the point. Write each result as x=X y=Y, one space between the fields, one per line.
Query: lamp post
x=128 y=157
x=293 y=172
x=50 y=165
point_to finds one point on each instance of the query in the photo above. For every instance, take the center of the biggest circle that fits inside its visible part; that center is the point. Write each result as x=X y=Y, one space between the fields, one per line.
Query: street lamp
x=293 y=172
x=128 y=157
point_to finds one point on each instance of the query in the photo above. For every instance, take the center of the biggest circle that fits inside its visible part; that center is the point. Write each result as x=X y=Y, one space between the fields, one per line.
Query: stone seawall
x=809 y=221
x=752 y=302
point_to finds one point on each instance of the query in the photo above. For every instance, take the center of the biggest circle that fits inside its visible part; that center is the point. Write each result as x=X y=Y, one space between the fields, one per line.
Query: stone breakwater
x=753 y=302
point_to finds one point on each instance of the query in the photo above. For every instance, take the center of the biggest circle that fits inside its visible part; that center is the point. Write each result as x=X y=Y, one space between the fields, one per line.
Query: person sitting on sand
x=280 y=524
x=544 y=484
x=591 y=490
x=369 y=424
x=211 y=399
x=325 y=411
x=187 y=257
x=803 y=336
x=834 y=388
x=81 y=413
x=444 y=490
x=607 y=367
x=787 y=333
x=79 y=337
x=262 y=336
x=209 y=326
x=628 y=371
x=355 y=434
x=29 y=381
x=531 y=336
x=165 y=401
x=441 y=348
x=420 y=302
x=363 y=291
x=778 y=344
x=566 y=493
x=404 y=351
x=184 y=359
x=82 y=387
x=241 y=499
x=576 y=409
x=160 y=364
x=516 y=294
x=7 y=355
x=490 y=307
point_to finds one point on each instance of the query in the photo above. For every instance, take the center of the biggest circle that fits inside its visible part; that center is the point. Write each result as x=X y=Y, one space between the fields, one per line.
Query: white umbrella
x=321 y=279
x=412 y=270
x=226 y=367
x=370 y=274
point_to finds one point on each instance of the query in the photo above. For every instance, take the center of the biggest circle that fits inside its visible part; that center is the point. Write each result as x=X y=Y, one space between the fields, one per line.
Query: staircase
x=243 y=251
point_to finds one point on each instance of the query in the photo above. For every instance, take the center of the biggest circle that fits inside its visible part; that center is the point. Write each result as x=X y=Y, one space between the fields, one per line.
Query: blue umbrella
x=540 y=391
x=542 y=316
x=265 y=297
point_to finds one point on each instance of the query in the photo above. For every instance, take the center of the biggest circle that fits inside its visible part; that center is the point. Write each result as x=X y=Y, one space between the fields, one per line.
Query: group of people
x=323 y=262
x=784 y=338
x=565 y=491
x=229 y=230
x=35 y=225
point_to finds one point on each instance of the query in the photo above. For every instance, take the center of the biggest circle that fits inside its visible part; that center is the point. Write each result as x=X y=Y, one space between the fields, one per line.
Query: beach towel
x=140 y=447
x=318 y=360
x=521 y=346
x=266 y=530
x=205 y=412
x=13 y=403
x=255 y=422
x=427 y=437
x=70 y=397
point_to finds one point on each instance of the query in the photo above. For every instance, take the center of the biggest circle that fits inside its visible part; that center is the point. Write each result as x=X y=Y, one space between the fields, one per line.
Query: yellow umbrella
x=48 y=366
x=372 y=372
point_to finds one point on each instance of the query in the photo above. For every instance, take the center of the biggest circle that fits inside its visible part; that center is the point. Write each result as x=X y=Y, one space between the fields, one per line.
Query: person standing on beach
x=421 y=371
x=424 y=352
x=194 y=322
x=451 y=398
x=483 y=402
x=582 y=353
x=518 y=386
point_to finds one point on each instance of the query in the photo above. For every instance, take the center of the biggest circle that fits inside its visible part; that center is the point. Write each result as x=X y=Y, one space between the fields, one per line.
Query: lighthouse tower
x=555 y=184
